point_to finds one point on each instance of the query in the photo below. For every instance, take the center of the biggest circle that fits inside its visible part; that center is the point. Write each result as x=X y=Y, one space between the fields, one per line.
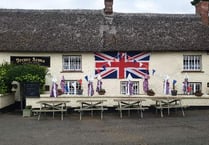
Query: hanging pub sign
x=43 y=61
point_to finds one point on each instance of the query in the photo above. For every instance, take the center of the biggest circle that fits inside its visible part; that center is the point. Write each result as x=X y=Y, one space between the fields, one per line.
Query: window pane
x=72 y=87
x=195 y=86
x=123 y=87
x=72 y=63
x=192 y=62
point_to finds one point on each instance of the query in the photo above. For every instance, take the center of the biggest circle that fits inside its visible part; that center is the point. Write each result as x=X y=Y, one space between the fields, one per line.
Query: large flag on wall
x=120 y=64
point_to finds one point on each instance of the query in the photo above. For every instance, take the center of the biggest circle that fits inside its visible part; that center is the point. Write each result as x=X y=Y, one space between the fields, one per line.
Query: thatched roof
x=91 y=31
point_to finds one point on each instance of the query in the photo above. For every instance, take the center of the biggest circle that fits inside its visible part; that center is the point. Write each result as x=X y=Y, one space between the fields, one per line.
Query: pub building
x=82 y=47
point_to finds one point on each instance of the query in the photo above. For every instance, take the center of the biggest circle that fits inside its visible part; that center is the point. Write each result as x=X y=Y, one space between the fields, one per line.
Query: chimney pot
x=108 y=7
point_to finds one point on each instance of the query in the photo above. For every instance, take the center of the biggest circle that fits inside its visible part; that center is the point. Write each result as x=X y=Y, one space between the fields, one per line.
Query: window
x=73 y=87
x=195 y=86
x=72 y=63
x=124 y=85
x=192 y=63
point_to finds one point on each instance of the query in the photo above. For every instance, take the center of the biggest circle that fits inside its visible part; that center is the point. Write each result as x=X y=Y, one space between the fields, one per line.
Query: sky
x=126 y=6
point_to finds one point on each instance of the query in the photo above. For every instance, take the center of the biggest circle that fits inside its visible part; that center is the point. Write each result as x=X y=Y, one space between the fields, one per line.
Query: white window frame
x=195 y=86
x=71 y=88
x=72 y=62
x=123 y=87
x=192 y=62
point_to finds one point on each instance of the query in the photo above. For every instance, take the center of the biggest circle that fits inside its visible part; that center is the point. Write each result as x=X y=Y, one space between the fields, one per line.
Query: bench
x=132 y=108
x=81 y=110
x=173 y=106
x=53 y=106
x=39 y=111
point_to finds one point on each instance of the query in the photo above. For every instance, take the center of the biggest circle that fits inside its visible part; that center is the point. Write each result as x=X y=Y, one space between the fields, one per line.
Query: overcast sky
x=132 y=6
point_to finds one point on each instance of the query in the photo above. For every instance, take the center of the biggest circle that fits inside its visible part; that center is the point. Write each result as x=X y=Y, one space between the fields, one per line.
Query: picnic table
x=130 y=104
x=91 y=105
x=168 y=103
x=52 y=106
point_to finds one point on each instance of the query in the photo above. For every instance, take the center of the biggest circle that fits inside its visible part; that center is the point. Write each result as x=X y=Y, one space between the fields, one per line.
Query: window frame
x=123 y=87
x=67 y=67
x=195 y=86
x=192 y=63
x=72 y=91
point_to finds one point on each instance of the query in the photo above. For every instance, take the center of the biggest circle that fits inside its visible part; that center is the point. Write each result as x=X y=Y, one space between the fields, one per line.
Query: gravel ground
x=193 y=129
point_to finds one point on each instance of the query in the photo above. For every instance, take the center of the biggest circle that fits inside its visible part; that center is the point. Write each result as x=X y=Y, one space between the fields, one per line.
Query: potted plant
x=80 y=92
x=101 y=92
x=174 y=91
x=59 y=92
x=150 y=92
x=27 y=112
x=198 y=93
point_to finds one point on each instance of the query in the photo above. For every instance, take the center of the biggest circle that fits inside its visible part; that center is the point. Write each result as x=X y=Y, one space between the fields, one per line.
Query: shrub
x=4 y=84
x=21 y=73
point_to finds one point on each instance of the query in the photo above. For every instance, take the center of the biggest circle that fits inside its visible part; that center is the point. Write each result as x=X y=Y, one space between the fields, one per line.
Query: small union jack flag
x=120 y=64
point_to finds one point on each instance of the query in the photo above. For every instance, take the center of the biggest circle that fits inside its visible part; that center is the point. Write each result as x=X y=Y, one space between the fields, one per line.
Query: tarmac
x=193 y=129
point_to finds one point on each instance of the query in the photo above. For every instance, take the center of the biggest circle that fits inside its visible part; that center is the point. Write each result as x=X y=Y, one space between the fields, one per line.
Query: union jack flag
x=120 y=64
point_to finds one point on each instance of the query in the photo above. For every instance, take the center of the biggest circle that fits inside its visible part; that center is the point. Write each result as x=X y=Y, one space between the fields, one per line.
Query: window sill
x=71 y=71
x=190 y=71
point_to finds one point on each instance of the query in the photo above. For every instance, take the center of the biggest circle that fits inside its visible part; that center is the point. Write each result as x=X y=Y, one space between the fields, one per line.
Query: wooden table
x=168 y=103
x=52 y=106
x=91 y=105
x=130 y=104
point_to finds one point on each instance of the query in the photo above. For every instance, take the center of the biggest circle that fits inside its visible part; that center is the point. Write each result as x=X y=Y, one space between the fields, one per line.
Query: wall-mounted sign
x=43 y=61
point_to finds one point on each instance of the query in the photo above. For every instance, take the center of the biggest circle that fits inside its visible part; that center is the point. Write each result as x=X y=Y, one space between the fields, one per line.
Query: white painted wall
x=6 y=100
x=165 y=63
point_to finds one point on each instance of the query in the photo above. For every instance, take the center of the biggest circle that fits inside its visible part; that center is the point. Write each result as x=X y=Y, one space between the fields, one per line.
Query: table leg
x=39 y=115
x=62 y=113
x=168 y=108
x=120 y=110
x=101 y=114
x=121 y=115
x=129 y=113
x=140 y=105
x=142 y=114
x=161 y=109
x=92 y=114
x=80 y=115
x=156 y=104
x=182 y=110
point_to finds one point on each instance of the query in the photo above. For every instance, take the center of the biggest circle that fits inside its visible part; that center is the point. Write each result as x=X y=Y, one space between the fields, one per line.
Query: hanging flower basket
x=198 y=93
x=101 y=92
x=150 y=92
x=173 y=92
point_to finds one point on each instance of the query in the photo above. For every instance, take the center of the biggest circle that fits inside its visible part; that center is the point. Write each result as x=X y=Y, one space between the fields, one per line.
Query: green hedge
x=3 y=77
x=21 y=73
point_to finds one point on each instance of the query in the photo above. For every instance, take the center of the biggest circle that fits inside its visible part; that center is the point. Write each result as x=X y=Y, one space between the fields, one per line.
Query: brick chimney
x=202 y=9
x=108 y=7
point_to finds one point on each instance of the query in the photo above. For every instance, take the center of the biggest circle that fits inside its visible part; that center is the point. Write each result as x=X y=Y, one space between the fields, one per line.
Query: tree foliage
x=21 y=73
x=194 y=2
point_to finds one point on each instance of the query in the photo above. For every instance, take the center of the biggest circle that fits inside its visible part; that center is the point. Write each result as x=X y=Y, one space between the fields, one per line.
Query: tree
x=194 y=2
x=21 y=73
